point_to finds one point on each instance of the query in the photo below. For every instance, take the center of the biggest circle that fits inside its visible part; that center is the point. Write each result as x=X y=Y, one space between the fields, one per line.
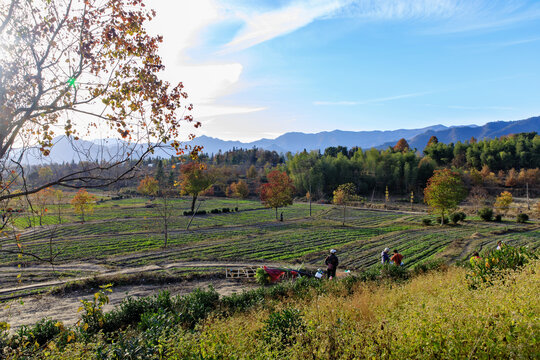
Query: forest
x=510 y=162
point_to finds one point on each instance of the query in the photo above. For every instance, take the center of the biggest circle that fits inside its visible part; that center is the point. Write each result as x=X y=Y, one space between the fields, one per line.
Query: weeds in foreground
x=492 y=264
x=431 y=315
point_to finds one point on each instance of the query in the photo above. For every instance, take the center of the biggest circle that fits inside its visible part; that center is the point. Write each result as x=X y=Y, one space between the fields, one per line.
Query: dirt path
x=7 y=293
x=64 y=307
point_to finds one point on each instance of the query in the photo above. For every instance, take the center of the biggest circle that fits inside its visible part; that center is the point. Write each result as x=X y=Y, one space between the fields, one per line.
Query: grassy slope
x=433 y=316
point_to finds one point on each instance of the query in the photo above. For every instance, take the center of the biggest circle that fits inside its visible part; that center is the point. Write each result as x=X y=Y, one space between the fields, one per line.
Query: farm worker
x=499 y=245
x=332 y=263
x=474 y=258
x=385 y=258
x=396 y=258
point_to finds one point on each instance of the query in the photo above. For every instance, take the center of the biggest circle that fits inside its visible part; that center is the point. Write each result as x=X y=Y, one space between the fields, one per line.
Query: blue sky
x=258 y=68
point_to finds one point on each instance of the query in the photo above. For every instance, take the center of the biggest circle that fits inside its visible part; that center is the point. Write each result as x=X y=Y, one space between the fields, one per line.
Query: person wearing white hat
x=385 y=257
x=332 y=263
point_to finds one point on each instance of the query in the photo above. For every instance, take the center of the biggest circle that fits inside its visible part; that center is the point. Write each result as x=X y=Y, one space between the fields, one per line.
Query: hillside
x=463 y=133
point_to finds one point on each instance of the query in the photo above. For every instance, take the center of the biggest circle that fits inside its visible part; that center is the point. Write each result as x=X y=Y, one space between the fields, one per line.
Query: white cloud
x=370 y=101
x=404 y=9
x=460 y=15
x=205 y=82
x=261 y=27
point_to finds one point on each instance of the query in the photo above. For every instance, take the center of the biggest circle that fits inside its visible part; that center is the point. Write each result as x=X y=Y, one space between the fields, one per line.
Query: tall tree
x=160 y=173
x=503 y=201
x=344 y=194
x=151 y=187
x=83 y=203
x=432 y=140
x=195 y=178
x=278 y=192
x=70 y=67
x=238 y=190
x=40 y=201
x=402 y=145
x=444 y=191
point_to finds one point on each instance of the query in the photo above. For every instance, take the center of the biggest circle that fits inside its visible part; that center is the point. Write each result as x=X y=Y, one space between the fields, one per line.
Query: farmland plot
x=126 y=233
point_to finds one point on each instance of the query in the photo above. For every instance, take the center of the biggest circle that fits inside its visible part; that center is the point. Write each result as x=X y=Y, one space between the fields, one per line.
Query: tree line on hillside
x=507 y=162
x=399 y=169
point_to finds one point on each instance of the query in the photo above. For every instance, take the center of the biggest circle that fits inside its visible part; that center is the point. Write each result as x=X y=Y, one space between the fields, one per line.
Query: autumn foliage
x=503 y=201
x=402 y=145
x=60 y=56
x=148 y=186
x=278 y=192
x=238 y=190
x=83 y=203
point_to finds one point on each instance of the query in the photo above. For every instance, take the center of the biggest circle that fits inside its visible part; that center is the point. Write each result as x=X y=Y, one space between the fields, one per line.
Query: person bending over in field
x=385 y=258
x=332 y=263
x=396 y=258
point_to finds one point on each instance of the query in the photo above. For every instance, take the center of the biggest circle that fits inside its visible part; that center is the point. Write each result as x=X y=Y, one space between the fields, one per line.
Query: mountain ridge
x=298 y=141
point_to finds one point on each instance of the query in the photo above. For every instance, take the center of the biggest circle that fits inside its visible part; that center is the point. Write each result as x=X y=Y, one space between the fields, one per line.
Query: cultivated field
x=125 y=236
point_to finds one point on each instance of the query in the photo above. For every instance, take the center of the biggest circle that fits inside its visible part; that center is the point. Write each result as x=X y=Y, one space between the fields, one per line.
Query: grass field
x=126 y=233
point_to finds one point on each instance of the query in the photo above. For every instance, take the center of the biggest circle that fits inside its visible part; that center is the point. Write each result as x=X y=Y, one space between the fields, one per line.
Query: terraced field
x=125 y=233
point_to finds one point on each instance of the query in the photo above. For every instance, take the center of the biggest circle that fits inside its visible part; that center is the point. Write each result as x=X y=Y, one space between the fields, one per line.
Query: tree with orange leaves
x=402 y=145
x=83 y=202
x=278 y=192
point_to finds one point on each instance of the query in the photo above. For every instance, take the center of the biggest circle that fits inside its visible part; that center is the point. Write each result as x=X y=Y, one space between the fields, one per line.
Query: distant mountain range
x=297 y=141
x=462 y=133
x=417 y=138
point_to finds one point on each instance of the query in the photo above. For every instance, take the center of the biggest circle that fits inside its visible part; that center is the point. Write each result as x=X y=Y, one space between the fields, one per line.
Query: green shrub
x=486 y=213
x=428 y=265
x=196 y=306
x=4 y=334
x=522 y=218
x=41 y=333
x=457 y=217
x=262 y=277
x=491 y=263
x=93 y=317
x=445 y=220
x=127 y=347
x=282 y=327
x=426 y=221
x=243 y=301
x=130 y=310
x=391 y=271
